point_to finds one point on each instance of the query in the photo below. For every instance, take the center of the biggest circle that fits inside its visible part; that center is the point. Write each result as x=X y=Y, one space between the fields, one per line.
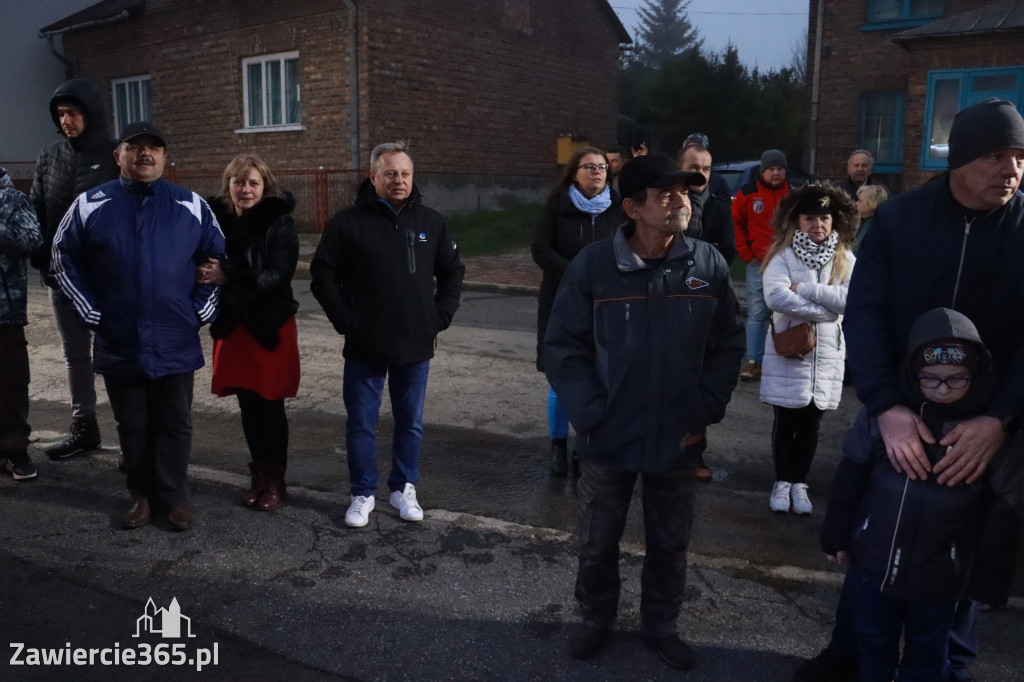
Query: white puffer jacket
x=819 y=376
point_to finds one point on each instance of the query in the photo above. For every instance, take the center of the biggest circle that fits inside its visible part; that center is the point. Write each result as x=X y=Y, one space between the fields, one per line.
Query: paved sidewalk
x=513 y=273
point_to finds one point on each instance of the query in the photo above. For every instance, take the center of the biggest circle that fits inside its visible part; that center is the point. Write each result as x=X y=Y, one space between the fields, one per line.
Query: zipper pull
x=627 y=311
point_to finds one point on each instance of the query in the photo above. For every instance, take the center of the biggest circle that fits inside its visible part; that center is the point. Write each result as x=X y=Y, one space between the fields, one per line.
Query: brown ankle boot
x=252 y=495
x=274 y=488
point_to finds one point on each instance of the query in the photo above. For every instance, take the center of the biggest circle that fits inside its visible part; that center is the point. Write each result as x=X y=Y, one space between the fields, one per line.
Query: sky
x=765 y=33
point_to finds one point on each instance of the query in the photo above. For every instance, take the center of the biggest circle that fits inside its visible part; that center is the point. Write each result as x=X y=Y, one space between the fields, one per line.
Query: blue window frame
x=881 y=129
x=902 y=13
x=952 y=90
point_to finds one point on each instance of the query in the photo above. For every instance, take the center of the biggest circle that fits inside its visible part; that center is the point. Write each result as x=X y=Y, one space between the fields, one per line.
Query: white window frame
x=281 y=57
x=143 y=103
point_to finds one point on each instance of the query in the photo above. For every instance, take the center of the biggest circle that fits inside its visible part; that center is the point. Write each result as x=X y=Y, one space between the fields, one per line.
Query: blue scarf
x=599 y=204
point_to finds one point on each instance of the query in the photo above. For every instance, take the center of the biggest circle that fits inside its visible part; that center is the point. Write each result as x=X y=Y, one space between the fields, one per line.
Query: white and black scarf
x=815 y=256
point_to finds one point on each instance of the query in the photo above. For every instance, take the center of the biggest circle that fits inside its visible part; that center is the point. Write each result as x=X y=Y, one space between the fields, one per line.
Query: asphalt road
x=480 y=590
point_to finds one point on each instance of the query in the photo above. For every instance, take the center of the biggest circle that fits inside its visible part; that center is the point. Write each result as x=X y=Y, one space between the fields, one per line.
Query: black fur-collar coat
x=262 y=252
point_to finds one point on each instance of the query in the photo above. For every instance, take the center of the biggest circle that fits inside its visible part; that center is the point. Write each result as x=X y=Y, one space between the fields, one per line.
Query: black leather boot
x=559 y=456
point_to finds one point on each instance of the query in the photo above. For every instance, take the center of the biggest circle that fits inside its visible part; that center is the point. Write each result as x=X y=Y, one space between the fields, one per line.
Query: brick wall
x=480 y=89
x=855 y=61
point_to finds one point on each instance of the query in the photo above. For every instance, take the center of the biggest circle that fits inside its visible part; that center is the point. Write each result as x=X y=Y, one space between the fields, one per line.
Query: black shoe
x=559 y=456
x=673 y=650
x=587 y=639
x=828 y=666
x=83 y=435
x=21 y=467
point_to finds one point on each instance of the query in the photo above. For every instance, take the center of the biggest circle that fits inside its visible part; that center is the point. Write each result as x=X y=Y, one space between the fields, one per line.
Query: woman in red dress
x=255 y=348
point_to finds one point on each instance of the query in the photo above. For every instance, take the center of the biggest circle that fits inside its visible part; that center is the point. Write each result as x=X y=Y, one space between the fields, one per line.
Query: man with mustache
x=125 y=255
x=643 y=349
x=80 y=160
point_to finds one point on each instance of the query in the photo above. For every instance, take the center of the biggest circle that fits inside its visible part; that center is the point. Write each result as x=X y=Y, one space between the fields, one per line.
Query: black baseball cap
x=654 y=170
x=139 y=128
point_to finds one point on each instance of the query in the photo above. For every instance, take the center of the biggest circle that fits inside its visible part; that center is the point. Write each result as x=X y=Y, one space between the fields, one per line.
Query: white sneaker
x=779 y=501
x=405 y=502
x=359 y=511
x=801 y=503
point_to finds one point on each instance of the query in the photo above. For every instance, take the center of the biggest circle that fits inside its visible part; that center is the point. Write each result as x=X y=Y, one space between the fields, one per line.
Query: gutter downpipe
x=353 y=104
x=49 y=35
x=815 y=87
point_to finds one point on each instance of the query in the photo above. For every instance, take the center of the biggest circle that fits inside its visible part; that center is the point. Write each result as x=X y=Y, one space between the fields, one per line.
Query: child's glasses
x=952 y=383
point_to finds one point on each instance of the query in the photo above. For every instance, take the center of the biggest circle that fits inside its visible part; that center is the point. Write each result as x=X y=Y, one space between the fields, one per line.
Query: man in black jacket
x=83 y=159
x=967 y=227
x=643 y=349
x=374 y=273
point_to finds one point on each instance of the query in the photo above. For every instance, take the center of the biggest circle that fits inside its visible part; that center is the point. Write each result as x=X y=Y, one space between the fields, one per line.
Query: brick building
x=890 y=74
x=482 y=89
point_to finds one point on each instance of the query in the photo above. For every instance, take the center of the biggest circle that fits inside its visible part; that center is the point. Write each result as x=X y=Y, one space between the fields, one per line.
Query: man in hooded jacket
x=82 y=159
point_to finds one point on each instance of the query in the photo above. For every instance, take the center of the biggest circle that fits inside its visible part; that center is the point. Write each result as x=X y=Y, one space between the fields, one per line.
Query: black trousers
x=794 y=440
x=265 y=426
x=154 y=423
x=605 y=493
x=14 y=375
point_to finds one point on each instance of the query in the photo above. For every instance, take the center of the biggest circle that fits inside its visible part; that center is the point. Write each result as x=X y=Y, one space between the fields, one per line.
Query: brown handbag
x=795 y=342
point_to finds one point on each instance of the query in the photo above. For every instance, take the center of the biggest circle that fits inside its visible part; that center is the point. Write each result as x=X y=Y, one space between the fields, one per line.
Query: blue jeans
x=362 y=388
x=878 y=621
x=963 y=634
x=757 y=313
x=558 y=420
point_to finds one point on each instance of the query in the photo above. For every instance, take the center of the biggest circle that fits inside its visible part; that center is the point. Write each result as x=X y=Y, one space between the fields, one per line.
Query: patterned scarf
x=596 y=205
x=815 y=256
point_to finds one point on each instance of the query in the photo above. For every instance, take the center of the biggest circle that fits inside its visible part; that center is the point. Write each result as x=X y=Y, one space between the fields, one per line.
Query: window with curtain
x=881 y=129
x=951 y=91
x=131 y=101
x=271 y=91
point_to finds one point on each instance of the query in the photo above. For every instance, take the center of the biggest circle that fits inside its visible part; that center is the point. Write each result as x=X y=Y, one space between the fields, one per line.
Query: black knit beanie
x=989 y=126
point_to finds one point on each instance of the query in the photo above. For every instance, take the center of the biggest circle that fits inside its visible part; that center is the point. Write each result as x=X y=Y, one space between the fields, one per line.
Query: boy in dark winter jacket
x=916 y=546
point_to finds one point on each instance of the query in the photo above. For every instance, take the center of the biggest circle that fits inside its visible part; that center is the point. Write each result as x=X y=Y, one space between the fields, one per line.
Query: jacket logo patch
x=758 y=206
x=98 y=195
x=695 y=283
x=95 y=166
x=422 y=236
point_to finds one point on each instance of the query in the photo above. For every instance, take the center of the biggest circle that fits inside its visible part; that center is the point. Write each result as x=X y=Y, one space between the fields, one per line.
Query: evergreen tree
x=664 y=32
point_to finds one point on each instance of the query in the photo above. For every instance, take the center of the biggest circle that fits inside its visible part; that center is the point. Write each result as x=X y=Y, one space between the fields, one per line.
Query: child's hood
x=938 y=325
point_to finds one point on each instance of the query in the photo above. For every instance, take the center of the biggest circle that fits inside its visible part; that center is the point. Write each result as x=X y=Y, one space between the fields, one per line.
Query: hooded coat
x=70 y=166
x=919 y=539
x=818 y=300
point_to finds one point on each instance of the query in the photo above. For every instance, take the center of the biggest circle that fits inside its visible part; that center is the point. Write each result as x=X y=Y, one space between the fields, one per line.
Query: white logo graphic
x=165 y=622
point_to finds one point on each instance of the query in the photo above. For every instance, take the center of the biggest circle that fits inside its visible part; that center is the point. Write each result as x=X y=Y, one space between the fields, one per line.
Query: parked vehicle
x=739 y=173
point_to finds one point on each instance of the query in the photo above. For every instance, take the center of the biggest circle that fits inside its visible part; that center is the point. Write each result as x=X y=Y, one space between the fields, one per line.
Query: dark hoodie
x=919 y=539
x=70 y=166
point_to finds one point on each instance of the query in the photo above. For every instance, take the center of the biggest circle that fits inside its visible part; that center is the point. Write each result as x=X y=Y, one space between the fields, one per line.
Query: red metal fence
x=319 y=194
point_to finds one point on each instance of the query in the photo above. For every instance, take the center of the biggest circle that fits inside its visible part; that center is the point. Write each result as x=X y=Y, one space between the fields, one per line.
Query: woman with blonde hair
x=255 y=348
x=867 y=201
x=806 y=276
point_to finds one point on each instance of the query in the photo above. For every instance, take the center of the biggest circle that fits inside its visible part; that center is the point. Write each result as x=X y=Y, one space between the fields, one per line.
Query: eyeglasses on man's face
x=952 y=383
x=595 y=167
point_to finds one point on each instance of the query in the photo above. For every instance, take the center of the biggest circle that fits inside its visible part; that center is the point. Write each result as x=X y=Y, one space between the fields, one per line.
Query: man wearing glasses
x=953 y=242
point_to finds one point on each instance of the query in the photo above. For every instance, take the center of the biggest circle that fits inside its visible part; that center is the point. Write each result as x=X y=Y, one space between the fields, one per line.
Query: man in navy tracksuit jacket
x=126 y=256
